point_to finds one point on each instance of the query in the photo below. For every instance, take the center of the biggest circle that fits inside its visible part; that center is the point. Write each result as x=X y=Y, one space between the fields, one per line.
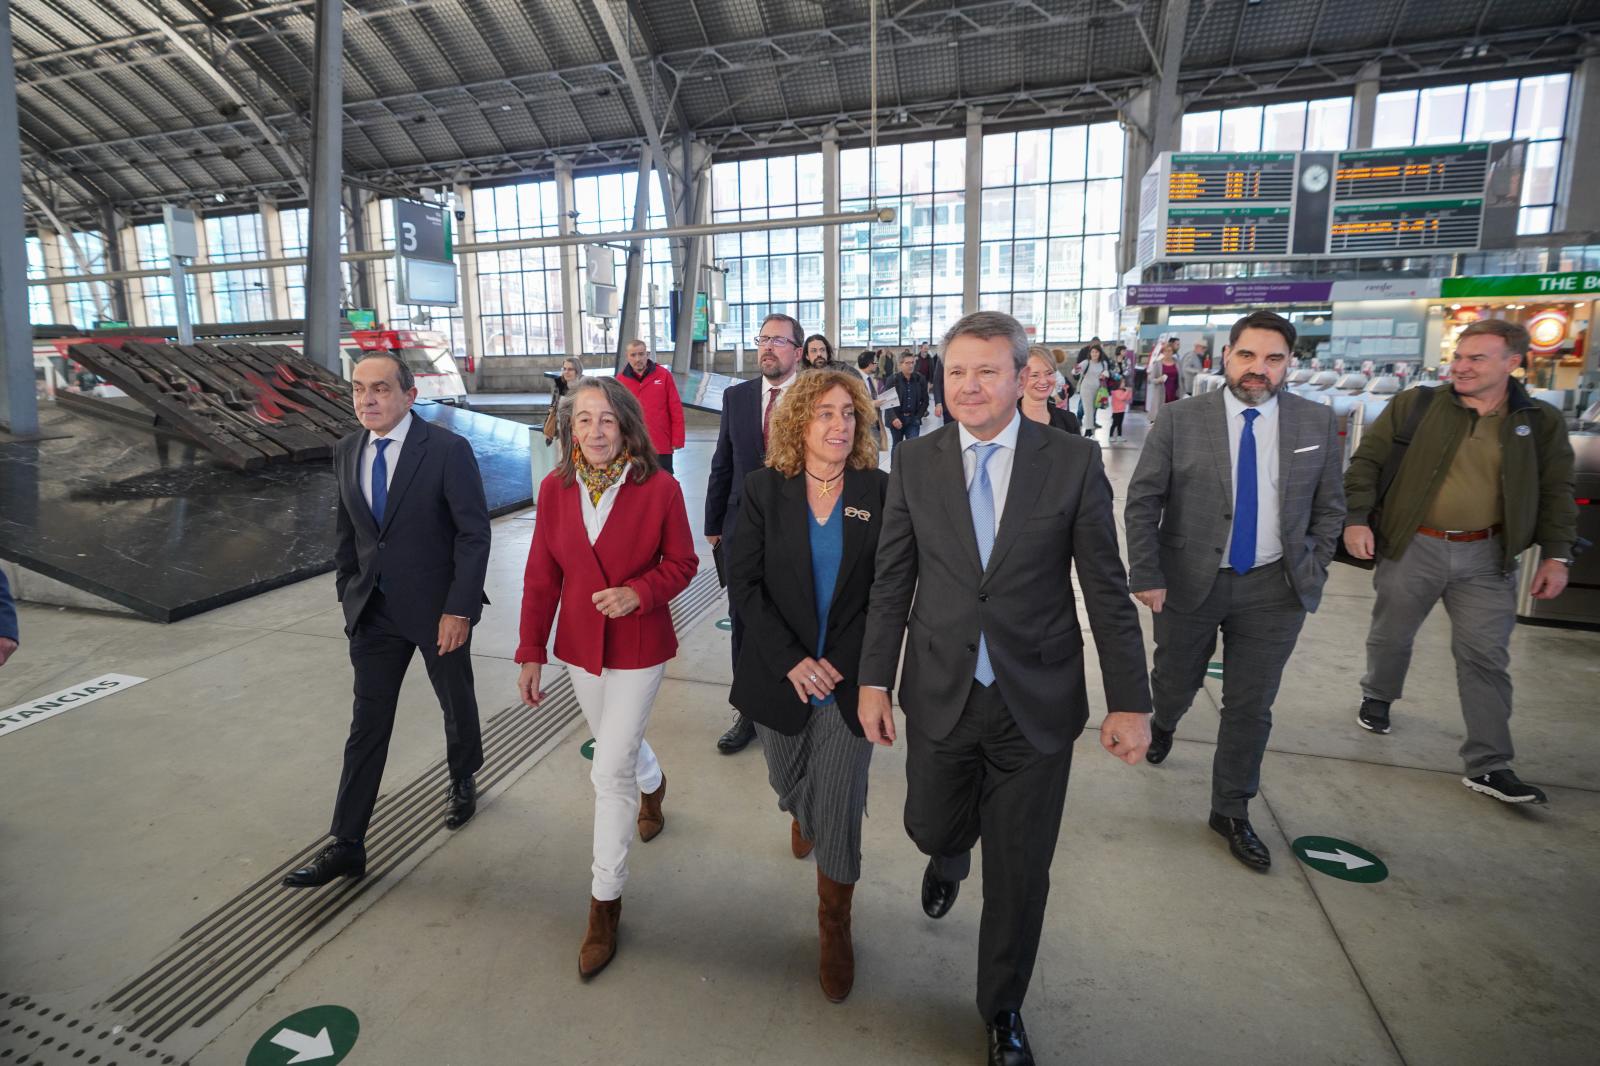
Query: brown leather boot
x=837 y=969
x=650 y=817
x=797 y=841
x=600 y=942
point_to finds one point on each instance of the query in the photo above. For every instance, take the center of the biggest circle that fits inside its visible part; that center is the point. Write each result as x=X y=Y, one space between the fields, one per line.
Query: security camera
x=461 y=214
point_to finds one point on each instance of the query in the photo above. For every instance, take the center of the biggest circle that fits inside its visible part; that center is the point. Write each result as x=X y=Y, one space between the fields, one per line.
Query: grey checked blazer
x=1180 y=502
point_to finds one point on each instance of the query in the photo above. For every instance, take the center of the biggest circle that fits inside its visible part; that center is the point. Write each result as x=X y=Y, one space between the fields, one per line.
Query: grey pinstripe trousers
x=820 y=776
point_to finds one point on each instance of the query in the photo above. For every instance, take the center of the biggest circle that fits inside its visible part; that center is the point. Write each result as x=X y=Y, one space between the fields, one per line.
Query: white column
x=830 y=236
x=571 y=284
x=277 y=280
x=971 y=249
x=467 y=267
x=1364 y=112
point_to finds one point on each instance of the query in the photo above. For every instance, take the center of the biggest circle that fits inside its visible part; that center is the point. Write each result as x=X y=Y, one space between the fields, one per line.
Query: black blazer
x=433 y=549
x=1061 y=419
x=770 y=581
x=932 y=595
x=740 y=450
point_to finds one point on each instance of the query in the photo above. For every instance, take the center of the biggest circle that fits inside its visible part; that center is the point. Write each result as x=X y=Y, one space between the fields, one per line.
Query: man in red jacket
x=652 y=385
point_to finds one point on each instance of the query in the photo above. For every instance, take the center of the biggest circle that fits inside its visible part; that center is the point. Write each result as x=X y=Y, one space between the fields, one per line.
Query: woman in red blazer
x=611 y=548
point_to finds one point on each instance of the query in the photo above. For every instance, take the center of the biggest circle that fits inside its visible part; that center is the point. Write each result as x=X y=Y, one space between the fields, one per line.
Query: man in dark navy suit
x=413 y=550
x=747 y=410
x=8 y=621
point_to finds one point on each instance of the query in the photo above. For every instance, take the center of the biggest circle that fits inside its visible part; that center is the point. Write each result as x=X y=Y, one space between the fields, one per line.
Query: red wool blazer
x=645 y=545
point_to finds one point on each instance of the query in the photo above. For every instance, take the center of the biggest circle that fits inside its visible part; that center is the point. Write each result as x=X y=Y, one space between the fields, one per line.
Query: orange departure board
x=1406 y=226
x=1213 y=232
x=1431 y=170
x=1231 y=177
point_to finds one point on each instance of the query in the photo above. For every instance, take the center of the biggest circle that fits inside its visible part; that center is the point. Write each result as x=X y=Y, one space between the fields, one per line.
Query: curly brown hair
x=786 y=440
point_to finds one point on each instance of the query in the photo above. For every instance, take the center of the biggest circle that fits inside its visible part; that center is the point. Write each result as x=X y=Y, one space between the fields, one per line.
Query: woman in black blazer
x=800 y=564
x=1038 y=385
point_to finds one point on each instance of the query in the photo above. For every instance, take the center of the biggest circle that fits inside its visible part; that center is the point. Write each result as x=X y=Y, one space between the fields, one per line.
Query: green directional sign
x=1214 y=670
x=586 y=749
x=320 y=1036
x=724 y=623
x=1341 y=859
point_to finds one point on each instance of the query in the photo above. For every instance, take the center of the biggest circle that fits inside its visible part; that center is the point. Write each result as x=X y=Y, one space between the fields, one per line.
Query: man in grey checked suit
x=1232 y=517
x=983 y=527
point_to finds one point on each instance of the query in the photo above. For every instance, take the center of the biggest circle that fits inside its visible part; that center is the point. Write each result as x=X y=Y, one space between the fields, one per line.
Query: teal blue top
x=827 y=551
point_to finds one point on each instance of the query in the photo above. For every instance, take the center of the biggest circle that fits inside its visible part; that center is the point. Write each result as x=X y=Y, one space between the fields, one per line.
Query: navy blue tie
x=1242 y=555
x=380 y=482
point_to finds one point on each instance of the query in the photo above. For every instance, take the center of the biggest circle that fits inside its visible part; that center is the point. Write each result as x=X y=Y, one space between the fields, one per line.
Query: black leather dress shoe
x=463 y=802
x=738 y=736
x=1160 y=744
x=1008 y=1041
x=342 y=858
x=938 y=895
x=1243 y=842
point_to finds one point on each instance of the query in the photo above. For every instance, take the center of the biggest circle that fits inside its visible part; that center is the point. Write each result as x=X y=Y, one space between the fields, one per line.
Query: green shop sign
x=1578 y=283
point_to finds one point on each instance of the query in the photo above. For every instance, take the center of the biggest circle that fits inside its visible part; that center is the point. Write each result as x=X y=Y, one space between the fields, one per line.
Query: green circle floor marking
x=587 y=750
x=1214 y=670
x=1341 y=859
x=321 y=1035
x=724 y=623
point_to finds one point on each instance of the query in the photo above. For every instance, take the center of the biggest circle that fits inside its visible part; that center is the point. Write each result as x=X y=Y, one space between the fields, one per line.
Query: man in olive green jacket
x=1487 y=474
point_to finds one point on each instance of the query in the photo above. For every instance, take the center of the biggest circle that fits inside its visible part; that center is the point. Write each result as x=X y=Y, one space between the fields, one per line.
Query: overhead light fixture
x=221 y=198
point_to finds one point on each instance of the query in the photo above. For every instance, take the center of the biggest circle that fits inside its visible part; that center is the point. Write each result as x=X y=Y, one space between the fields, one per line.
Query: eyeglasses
x=776 y=342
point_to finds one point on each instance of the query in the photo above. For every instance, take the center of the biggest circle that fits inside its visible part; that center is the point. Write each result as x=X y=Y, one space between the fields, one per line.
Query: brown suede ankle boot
x=797 y=841
x=650 y=817
x=600 y=941
x=837 y=969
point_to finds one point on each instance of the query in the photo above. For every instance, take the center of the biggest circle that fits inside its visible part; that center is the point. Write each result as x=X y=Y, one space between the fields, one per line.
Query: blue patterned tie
x=380 y=482
x=980 y=498
x=1242 y=555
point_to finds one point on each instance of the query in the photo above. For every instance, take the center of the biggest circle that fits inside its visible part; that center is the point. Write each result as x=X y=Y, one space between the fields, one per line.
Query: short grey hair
x=408 y=380
x=986 y=325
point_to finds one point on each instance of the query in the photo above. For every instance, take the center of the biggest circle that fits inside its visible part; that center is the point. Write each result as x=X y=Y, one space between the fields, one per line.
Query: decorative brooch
x=856 y=512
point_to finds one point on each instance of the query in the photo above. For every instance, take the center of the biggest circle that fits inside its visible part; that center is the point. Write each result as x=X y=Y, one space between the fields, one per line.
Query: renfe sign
x=26 y=714
x=1577 y=283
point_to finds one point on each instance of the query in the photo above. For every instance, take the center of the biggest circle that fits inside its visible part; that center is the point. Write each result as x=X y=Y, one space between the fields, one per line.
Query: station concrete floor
x=144 y=834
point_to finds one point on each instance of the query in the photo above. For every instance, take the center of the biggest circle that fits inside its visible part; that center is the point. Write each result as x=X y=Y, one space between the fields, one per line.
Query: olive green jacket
x=1536 y=474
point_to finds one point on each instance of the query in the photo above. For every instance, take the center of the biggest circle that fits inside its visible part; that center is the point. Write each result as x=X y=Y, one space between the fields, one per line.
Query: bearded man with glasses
x=747 y=411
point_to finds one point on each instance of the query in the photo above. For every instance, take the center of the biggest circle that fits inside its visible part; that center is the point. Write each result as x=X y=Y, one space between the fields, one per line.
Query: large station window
x=446 y=320
x=1303 y=125
x=775 y=271
x=295 y=234
x=87 y=301
x=40 y=310
x=1534 y=109
x=151 y=251
x=604 y=203
x=1052 y=209
x=900 y=282
x=519 y=293
x=238 y=295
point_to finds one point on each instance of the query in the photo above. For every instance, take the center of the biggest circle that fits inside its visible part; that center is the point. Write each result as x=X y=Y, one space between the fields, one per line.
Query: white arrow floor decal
x=306 y=1048
x=1342 y=857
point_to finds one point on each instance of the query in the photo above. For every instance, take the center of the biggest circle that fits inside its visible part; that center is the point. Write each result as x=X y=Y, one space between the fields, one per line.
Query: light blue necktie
x=980 y=498
x=380 y=482
x=1242 y=555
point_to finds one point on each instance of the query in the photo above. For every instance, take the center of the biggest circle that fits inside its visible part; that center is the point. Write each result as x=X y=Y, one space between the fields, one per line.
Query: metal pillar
x=1165 y=124
x=1581 y=157
x=19 y=404
x=972 y=247
x=571 y=284
x=696 y=197
x=354 y=225
x=1153 y=122
x=471 y=326
x=111 y=239
x=327 y=165
x=633 y=283
x=1364 y=112
x=830 y=237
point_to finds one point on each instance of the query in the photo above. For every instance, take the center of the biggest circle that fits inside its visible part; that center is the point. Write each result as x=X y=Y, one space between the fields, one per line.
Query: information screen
x=1414 y=225
x=1388 y=172
x=1229 y=178
x=1209 y=232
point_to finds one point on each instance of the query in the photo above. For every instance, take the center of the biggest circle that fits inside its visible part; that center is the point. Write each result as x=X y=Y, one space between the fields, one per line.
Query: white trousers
x=617 y=707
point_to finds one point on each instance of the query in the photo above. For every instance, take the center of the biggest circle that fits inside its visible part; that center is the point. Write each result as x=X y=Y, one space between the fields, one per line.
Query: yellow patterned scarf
x=598 y=479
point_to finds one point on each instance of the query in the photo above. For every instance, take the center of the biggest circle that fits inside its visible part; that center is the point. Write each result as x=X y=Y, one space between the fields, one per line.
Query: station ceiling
x=141 y=102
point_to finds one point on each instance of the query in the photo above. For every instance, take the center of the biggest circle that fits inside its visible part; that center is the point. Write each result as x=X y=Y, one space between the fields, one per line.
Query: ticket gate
x=1579 y=605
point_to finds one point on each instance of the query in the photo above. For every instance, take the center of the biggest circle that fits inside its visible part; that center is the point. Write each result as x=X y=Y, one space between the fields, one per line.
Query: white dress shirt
x=595 y=514
x=391 y=455
x=1269 y=538
x=1000 y=462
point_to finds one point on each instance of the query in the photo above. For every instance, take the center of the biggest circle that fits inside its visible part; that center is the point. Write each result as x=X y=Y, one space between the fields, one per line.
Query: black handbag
x=1386 y=476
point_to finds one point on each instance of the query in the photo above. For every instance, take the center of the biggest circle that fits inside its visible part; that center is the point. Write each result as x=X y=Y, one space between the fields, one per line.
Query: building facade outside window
x=604 y=203
x=519 y=293
x=1303 y=125
x=238 y=295
x=87 y=301
x=1052 y=211
x=295 y=236
x=40 y=310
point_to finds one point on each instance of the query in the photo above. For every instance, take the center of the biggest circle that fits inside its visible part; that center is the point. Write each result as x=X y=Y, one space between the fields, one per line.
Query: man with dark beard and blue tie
x=1232 y=516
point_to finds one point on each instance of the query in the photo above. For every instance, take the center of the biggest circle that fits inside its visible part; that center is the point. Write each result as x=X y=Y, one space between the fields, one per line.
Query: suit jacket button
x=983 y=597
x=1229 y=517
x=381 y=544
x=972 y=647
x=1219 y=551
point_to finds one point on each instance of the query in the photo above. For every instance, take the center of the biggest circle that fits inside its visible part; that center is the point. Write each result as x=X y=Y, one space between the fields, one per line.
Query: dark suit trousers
x=985 y=779
x=380 y=655
x=1259 y=617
